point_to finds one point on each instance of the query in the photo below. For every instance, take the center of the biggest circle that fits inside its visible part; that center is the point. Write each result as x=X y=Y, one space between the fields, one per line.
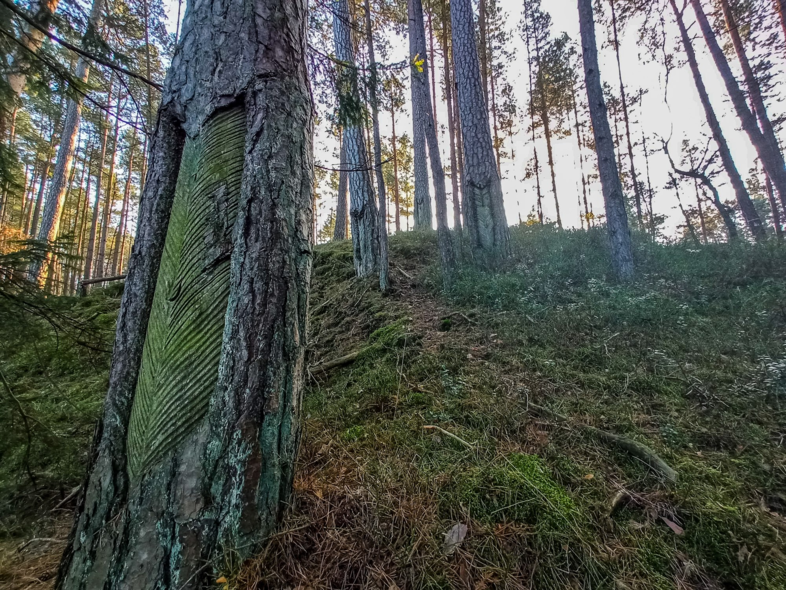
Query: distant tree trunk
x=395 y=170
x=484 y=209
x=109 y=200
x=531 y=109
x=769 y=154
x=421 y=94
x=41 y=187
x=91 y=242
x=193 y=458
x=363 y=208
x=417 y=58
x=454 y=176
x=626 y=118
x=580 y=145
x=616 y=216
x=688 y=222
x=754 y=92
x=780 y=8
x=776 y=215
x=117 y=257
x=702 y=221
x=433 y=62
x=741 y=192
x=384 y=267
x=544 y=119
x=340 y=228
x=83 y=224
x=53 y=207
x=651 y=214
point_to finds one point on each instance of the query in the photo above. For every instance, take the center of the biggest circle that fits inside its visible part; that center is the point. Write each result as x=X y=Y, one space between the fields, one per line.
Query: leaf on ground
x=678 y=530
x=454 y=538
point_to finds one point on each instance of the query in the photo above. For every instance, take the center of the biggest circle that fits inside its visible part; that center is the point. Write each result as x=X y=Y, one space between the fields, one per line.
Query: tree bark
x=544 y=119
x=484 y=209
x=109 y=200
x=539 y=194
x=770 y=156
x=340 y=228
x=580 y=146
x=626 y=118
x=616 y=216
x=91 y=242
x=454 y=177
x=418 y=71
x=193 y=460
x=384 y=267
x=395 y=169
x=421 y=94
x=53 y=207
x=740 y=191
x=363 y=208
x=117 y=257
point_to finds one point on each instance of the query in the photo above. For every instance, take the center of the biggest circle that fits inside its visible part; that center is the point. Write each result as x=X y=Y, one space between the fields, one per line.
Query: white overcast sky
x=682 y=117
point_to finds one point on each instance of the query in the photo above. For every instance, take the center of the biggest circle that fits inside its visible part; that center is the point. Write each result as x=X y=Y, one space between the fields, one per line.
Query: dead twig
x=451 y=435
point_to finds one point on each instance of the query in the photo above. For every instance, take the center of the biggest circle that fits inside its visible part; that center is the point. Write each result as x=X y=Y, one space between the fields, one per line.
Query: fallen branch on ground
x=636 y=449
x=335 y=363
x=451 y=435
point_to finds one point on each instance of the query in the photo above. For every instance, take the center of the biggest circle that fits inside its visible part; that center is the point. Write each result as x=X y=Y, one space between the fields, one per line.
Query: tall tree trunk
x=82 y=226
x=109 y=199
x=741 y=192
x=53 y=207
x=484 y=209
x=494 y=126
x=483 y=49
x=117 y=257
x=780 y=8
x=395 y=169
x=193 y=459
x=544 y=119
x=384 y=267
x=688 y=222
x=417 y=58
x=363 y=209
x=769 y=154
x=700 y=208
x=530 y=62
x=340 y=227
x=650 y=213
x=776 y=214
x=754 y=89
x=41 y=187
x=422 y=95
x=616 y=216
x=91 y=242
x=580 y=146
x=454 y=177
x=433 y=62
x=626 y=118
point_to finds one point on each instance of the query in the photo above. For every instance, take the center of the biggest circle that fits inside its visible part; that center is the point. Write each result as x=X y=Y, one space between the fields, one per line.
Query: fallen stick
x=636 y=449
x=326 y=366
x=451 y=435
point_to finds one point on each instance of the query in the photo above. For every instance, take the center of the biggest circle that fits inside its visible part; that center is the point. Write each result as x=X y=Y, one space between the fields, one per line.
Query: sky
x=681 y=117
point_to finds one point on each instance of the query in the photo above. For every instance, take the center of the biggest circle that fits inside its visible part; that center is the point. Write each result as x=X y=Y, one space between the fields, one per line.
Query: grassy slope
x=689 y=360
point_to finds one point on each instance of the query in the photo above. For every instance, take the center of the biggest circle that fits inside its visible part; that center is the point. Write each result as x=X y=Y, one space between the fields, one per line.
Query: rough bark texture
x=484 y=210
x=769 y=154
x=420 y=105
x=340 y=228
x=754 y=88
x=740 y=191
x=421 y=93
x=217 y=486
x=384 y=268
x=363 y=208
x=616 y=216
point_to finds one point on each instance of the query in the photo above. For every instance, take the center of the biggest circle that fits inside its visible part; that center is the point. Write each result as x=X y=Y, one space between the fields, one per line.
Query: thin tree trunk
x=544 y=119
x=531 y=109
x=40 y=198
x=770 y=155
x=109 y=199
x=340 y=227
x=776 y=215
x=626 y=119
x=454 y=178
x=117 y=258
x=688 y=222
x=91 y=243
x=616 y=216
x=81 y=239
x=580 y=145
x=395 y=169
x=50 y=221
x=227 y=405
x=484 y=209
x=433 y=62
x=363 y=208
x=384 y=267
x=421 y=94
x=741 y=192
x=651 y=214
x=702 y=221
x=780 y=8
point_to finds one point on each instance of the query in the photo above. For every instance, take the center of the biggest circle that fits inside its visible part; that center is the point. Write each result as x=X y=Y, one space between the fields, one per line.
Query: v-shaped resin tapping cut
x=183 y=345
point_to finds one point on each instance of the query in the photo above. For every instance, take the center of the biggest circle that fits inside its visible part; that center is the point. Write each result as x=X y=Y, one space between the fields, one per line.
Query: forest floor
x=510 y=431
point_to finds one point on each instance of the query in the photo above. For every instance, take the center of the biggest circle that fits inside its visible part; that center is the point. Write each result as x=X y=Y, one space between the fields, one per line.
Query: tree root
x=633 y=448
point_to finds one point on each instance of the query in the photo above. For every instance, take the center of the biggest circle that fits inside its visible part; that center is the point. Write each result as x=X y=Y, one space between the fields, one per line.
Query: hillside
x=539 y=405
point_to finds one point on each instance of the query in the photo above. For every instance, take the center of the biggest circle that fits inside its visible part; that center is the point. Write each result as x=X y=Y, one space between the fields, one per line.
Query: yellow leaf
x=221 y=580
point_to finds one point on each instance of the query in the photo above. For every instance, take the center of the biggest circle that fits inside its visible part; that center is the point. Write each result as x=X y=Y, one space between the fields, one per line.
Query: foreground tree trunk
x=769 y=153
x=454 y=176
x=363 y=209
x=616 y=216
x=740 y=190
x=484 y=209
x=340 y=228
x=420 y=105
x=422 y=94
x=192 y=460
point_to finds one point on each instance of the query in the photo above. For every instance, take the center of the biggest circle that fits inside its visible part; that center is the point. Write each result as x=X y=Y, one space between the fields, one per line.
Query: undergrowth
x=688 y=359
